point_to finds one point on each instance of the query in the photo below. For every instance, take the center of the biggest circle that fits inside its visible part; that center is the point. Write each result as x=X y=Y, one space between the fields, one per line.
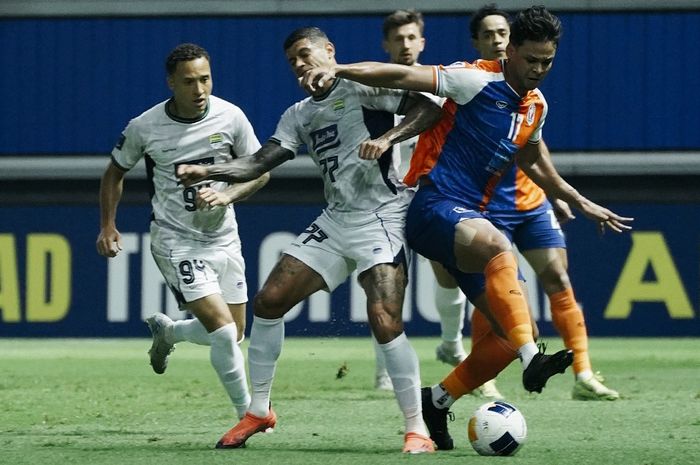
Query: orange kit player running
x=521 y=210
x=493 y=117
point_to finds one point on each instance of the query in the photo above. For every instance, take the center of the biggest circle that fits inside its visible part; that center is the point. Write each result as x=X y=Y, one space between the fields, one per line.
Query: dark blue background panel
x=621 y=81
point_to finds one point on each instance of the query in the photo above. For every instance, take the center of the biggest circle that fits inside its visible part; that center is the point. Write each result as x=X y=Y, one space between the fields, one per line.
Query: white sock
x=227 y=359
x=266 y=337
x=440 y=397
x=452 y=347
x=379 y=360
x=402 y=365
x=527 y=352
x=450 y=305
x=191 y=330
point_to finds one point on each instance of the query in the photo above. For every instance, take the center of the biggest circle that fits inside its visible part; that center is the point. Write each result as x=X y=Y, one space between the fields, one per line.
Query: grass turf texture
x=68 y=401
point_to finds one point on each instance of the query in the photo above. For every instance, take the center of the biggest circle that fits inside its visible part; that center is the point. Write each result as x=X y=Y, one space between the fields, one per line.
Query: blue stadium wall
x=53 y=283
x=621 y=80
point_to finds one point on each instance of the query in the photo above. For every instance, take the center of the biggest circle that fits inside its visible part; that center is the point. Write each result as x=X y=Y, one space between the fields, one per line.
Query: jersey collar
x=318 y=98
x=179 y=119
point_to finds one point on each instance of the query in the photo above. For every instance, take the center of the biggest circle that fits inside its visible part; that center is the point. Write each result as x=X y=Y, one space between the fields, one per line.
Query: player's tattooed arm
x=208 y=197
x=239 y=170
x=421 y=114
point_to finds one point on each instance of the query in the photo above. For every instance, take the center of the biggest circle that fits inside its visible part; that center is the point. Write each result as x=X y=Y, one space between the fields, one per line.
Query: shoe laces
x=542 y=347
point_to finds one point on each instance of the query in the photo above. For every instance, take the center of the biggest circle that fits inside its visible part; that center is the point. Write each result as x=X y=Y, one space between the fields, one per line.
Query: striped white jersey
x=166 y=141
x=332 y=127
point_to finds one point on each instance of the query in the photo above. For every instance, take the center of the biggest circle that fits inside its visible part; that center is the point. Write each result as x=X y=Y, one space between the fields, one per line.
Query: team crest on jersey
x=339 y=105
x=325 y=139
x=501 y=104
x=215 y=139
x=530 y=118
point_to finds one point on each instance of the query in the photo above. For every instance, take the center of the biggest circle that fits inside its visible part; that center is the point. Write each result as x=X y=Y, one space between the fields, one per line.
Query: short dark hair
x=487 y=10
x=400 y=18
x=535 y=24
x=312 y=33
x=184 y=52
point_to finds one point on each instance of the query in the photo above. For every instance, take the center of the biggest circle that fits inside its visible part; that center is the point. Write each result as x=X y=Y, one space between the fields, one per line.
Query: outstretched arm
x=421 y=114
x=534 y=160
x=208 y=197
x=562 y=210
x=239 y=170
x=393 y=76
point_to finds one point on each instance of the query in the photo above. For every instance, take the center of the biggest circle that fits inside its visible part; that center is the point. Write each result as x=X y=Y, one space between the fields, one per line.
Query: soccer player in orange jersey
x=493 y=117
x=520 y=208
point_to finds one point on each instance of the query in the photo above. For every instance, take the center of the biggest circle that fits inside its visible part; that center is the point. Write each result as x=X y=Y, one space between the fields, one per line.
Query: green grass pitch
x=70 y=401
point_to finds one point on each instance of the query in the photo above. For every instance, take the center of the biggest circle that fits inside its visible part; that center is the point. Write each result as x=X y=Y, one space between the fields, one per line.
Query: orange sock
x=506 y=299
x=568 y=319
x=488 y=357
x=480 y=326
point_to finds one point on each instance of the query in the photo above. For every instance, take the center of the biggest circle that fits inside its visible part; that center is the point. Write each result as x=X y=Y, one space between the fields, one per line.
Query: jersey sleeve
x=379 y=98
x=460 y=81
x=287 y=135
x=129 y=149
x=245 y=141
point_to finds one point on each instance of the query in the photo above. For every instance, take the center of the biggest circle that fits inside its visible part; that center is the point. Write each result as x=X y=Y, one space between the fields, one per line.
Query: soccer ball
x=497 y=428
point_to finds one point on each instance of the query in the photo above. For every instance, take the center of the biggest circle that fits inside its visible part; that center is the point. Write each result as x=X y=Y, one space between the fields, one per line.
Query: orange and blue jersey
x=516 y=193
x=485 y=122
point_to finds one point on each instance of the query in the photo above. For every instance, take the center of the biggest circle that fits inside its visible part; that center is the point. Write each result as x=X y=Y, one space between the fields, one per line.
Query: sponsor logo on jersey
x=531 y=114
x=325 y=139
x=216 y=139
x=460 y=210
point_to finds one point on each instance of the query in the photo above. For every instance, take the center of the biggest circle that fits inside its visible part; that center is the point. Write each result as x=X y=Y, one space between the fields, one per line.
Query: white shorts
x=193 y=271
x=334 y=246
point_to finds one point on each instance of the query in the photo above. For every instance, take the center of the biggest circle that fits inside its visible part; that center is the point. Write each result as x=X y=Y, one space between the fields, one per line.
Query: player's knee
x=270 y=304
x=496 y=244
x=554 y=279
x=386 y=321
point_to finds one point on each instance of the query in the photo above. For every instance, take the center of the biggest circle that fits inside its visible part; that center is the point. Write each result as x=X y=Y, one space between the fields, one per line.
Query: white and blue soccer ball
x=497 y=428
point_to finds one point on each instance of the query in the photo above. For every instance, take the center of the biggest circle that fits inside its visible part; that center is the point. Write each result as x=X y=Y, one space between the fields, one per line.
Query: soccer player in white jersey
x=194 y=234
x=362 y=227
x=404 y=41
